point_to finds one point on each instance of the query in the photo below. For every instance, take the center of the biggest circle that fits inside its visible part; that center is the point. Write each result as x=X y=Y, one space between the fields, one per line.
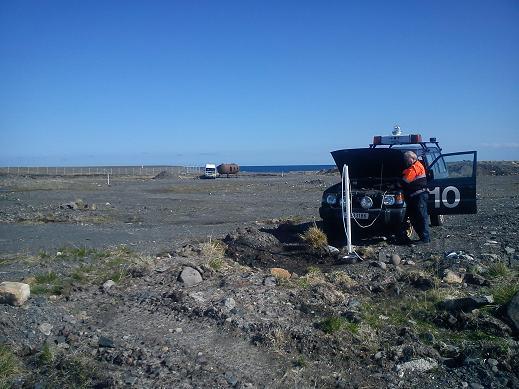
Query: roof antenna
x=396 y=130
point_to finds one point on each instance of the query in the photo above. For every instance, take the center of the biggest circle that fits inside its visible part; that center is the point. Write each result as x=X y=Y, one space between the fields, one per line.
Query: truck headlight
x=366 y=202
x=331 y=199
x=389 y=200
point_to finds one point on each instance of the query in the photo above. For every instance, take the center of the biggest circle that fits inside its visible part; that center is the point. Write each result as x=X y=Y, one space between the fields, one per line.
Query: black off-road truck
x=378 y=205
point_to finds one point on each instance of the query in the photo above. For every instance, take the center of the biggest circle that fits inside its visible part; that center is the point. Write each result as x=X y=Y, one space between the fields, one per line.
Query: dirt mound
x=275 y=247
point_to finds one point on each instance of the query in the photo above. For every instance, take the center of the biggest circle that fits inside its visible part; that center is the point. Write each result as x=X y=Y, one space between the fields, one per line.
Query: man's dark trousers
x=417 y=211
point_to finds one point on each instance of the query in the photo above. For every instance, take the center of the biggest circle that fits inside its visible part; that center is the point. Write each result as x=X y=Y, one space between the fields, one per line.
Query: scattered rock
x=509 y=250
x=14 y=293
x=229 y=303
x=450 y=277
x=476 y=279
x=395 y=259
x=269 y=281
x=45 y=328
x=230 y=378
x=417 y=365
x=190 y=276
x=70 y=205
x=280 y=273
x=379 y=264
x=108 y=285
x=105 y=342
x=466 y=304
x=332 y=250
x=421 y=281
x=512 y=311
x=492 y=362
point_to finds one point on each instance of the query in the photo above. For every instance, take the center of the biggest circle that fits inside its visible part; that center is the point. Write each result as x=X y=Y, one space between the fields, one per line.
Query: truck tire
x=437 y=220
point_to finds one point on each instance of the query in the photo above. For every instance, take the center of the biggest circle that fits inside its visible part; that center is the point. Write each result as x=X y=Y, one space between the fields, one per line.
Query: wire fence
x=99 y=170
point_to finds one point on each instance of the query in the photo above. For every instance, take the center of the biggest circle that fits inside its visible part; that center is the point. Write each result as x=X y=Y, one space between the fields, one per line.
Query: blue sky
x=252 y=82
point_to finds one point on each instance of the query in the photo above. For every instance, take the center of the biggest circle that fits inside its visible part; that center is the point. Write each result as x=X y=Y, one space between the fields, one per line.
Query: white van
x=210 y=170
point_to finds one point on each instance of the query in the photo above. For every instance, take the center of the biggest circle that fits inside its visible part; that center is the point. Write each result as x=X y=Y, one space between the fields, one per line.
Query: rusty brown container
x=228 y=168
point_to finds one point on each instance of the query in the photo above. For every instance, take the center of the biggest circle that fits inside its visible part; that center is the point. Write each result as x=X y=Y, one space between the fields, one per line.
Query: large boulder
x=14 y=293
x=512 y=311
x=466 y=304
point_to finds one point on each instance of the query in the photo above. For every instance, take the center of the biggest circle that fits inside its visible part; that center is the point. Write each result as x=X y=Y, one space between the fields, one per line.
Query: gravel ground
x=233 y=321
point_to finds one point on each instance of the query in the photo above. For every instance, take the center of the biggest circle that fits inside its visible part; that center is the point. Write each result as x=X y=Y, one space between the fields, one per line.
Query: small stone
x=379 y=264
x=492 y=362
x=130 y=380
x=230 y=378
x=495 y=369
x=509 y=250
x=269 y=281
x=410 y=263
x=379 y=355
x=417 y=365
x=229 y=303
x=105 y=342
x=475 y=385
x=429 y=337
x=14 y=293
x=333 y=250
x=108 y=285
x=452 y=278
x=45 y=328
x=464 y=384
x=178 y=330
x=280 y=273
x=476 y=279
x=395 y=259
x=190 y=277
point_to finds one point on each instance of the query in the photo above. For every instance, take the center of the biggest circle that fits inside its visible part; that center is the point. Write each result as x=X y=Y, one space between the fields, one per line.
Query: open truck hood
x=371 y=163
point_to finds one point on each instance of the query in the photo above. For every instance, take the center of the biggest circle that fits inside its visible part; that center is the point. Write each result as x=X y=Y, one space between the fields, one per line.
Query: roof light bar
x=397 y=140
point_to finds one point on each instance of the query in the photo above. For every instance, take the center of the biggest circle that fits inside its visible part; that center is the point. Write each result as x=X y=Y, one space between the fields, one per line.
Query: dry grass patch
x=341 y=279
x=315 y=237
x=215 y=251
x=313 y=277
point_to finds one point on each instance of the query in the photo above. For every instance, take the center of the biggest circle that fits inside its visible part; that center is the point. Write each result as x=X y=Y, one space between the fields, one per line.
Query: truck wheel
x=437 y=220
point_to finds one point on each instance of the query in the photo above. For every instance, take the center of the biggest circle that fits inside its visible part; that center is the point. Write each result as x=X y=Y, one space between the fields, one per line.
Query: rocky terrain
x=186 y=283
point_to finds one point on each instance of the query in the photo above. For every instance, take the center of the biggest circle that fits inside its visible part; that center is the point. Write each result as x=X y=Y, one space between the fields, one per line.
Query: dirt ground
x=322 y=322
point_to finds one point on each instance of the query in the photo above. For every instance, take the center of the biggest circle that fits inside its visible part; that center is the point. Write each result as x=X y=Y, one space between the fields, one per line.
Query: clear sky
x=252 y=82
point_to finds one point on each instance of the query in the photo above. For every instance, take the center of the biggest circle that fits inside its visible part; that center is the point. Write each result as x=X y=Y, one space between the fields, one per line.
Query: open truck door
x=452 y=184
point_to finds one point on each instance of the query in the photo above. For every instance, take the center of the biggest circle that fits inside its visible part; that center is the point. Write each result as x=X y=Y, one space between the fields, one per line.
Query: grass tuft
x=498 y=270
x=504 y=293
x=46 y=355
x=215 y=251
x=10 y=366
x=315 y=237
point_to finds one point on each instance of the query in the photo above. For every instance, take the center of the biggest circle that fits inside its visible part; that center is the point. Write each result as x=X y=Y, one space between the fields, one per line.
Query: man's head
x=410 y=158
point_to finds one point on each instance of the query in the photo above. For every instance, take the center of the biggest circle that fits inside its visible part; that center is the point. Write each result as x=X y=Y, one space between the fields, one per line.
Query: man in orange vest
x=416 y=195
